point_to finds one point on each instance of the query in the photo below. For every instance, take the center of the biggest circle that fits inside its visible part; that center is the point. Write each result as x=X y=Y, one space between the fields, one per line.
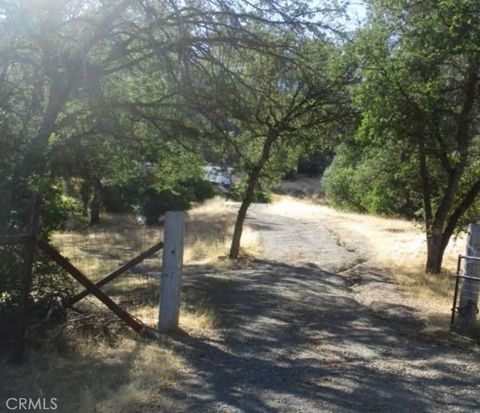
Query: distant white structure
x=219 y=175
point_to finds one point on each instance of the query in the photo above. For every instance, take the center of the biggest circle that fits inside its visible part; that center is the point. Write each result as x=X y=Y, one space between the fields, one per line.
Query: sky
x=356 y=12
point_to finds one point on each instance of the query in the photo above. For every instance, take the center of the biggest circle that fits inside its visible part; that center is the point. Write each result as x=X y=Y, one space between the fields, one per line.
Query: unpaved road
x=295 y=336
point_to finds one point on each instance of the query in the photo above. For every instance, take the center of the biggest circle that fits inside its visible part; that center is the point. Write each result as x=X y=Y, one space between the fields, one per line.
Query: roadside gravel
x=299 y=332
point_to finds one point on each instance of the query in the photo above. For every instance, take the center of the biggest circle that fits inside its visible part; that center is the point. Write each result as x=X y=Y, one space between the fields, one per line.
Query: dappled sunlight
x=87 y=375
x=389 y=239
x=109 y=372
x=293 y=334
x=396 y=244
x=209 y=232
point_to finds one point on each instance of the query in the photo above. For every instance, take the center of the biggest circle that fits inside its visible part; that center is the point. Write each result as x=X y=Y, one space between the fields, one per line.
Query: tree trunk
x=468 y=307
x=435 y=250
x=85 y=195
x=96 y=202
x=440 y=234
x=35 y=158
x=253 y=178
x=242 y=214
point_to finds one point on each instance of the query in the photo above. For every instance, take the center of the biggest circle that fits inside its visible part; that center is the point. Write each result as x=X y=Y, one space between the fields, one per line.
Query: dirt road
x=295 y=335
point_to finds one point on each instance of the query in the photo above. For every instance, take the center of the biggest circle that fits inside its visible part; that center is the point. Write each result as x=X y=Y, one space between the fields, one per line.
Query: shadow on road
x=293 y=339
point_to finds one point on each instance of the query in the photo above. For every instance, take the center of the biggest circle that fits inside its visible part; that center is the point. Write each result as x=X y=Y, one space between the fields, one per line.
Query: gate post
x=26 y=282
x=170 y=283
x=468 y=307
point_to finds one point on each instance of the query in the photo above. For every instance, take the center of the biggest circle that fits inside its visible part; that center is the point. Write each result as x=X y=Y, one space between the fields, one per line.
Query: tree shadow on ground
x=294 y=339
x=92 y=379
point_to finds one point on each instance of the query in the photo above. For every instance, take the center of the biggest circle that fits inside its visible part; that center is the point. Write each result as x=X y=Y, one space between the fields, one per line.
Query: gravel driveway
x=294 y=337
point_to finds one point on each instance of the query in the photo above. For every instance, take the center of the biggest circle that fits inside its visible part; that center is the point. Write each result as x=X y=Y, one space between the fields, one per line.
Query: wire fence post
x=469 y=293
x=455 y=293
x=26 y=282
x=170 y=283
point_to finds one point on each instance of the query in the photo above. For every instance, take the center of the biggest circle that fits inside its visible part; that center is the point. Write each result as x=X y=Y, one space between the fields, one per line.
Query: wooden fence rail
x=119 y=271
x=171 y=275
x=91 y=287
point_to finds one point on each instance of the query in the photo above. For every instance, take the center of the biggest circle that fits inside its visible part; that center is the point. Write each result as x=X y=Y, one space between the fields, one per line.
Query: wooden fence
x=170 y=279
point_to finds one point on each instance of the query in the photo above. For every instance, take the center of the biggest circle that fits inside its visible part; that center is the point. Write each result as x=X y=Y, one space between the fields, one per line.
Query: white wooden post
x=468 y=308
x=170 y=283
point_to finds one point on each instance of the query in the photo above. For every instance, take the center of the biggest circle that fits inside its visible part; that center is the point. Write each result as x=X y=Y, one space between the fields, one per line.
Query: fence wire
x=467 y=288
x=97 y=251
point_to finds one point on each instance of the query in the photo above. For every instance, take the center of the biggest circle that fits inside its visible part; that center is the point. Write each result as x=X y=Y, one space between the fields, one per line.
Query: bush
x=260 y=196
x=314 y=164
x=120 y=197
x=140 y=196
x=376 y=180
x=48 y=278
x=340 y=188
x=153 y=204
x=203 y=190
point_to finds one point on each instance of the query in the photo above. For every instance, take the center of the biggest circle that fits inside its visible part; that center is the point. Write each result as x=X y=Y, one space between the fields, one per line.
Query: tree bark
x=96 y=201
x=441 y=227
x=425 y=178
x=242 y=214
x=253 y=178
x=35 y=157
x=435 y=250
x=85 y=195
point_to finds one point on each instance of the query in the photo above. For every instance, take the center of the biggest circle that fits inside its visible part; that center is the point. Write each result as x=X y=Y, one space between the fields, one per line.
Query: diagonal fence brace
x=119 y=271
x=91 y=287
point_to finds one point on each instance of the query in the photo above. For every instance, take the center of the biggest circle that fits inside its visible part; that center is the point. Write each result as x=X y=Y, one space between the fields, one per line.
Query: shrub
x=144 y=198
x=376 y=180
x=120 y=197
x=203 y=190
x=314 y=164
x=48 y=279
x=237 y=191
x=153 y=204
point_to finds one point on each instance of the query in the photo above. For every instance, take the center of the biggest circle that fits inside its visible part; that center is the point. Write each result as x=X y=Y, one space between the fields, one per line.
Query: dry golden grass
x=85 y=370
x=395 y=244
x=89 y=376
x=99 y=250
x=209 y=231
x=198 y=321
x=304 y=187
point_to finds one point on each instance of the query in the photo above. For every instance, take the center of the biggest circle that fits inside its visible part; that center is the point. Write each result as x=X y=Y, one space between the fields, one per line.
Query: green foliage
x=153 y=203
x=48 y=278
x=373 y=179
x=314 y=164
x=120 y=197
x=131 y=95
x=417 y=95
x=340 y=186
x=202 y=189
x=237 y=192
x=138 y=196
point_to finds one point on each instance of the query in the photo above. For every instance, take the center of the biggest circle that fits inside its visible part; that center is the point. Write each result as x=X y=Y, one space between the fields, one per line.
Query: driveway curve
x=293 y=337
